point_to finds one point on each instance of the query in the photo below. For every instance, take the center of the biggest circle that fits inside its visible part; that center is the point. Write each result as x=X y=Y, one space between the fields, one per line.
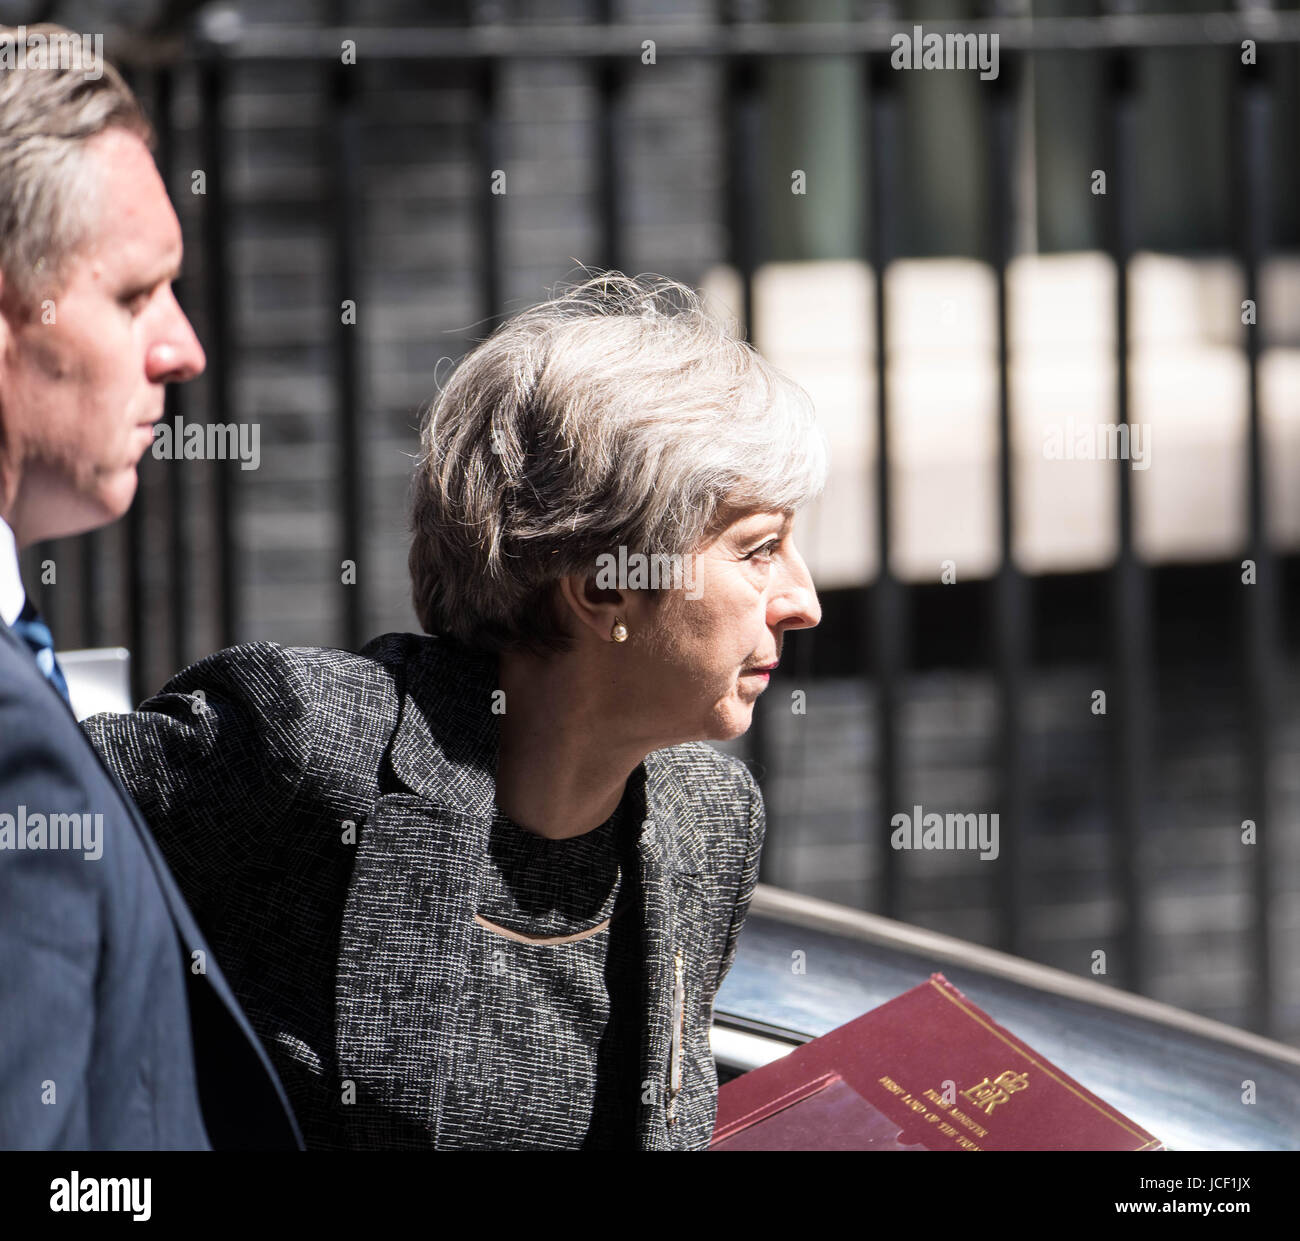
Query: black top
x=547 y=1051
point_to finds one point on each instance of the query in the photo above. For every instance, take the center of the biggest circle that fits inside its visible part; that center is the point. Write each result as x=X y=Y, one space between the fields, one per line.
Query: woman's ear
x=591 y=606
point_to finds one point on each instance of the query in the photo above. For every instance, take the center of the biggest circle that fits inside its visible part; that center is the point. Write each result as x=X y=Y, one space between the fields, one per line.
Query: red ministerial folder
x=926 y=1071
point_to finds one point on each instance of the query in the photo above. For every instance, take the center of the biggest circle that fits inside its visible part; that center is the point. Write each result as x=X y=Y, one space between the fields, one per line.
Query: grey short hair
x=618 y=413
x=47 y=198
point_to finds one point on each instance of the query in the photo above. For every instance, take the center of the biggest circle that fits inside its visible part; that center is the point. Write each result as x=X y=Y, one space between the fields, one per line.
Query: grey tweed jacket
x=325 y=813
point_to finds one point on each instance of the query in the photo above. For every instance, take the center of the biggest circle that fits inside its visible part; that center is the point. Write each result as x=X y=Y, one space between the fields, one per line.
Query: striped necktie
x=36 y=633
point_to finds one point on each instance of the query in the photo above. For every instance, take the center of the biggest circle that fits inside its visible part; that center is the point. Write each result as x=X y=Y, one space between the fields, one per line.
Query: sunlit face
x=698 y=671
x=82 y=379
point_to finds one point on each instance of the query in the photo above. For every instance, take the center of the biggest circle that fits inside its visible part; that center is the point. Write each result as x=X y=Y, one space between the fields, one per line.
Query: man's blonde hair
x=47 y=195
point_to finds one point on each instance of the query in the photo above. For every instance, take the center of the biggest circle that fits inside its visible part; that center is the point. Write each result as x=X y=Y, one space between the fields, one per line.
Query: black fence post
x=345 y=164
x=1261 y=653
x=611 y=128
x=1010 y=621
x=1129 y=697
x=488 y=152
x=220 y=344
x=885 y=603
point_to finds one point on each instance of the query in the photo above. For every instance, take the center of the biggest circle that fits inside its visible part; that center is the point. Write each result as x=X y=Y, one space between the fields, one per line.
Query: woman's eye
x=766 y=550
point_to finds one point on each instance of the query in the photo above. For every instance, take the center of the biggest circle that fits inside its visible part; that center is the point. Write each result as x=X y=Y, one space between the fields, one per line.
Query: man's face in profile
x=80 y=394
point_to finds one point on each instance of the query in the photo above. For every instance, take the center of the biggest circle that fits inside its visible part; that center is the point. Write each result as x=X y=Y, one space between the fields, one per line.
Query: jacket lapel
x=410 y=907
x=414 y=890
x=671 y=861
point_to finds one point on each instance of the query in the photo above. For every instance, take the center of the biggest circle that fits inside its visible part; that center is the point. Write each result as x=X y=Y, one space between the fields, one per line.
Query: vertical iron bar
x=884 y=600
x=178 y=549
x=609 y=129
x=91 y=547
x=1260 y=603
x=488 y=150
x=220 y=336
x=1010 y=624
x=136 y=629
x=744 y=183
x=1132 y=650
x=345 y=115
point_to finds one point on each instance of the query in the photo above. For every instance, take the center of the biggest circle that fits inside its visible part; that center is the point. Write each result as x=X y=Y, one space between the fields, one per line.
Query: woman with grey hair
x=478 y=888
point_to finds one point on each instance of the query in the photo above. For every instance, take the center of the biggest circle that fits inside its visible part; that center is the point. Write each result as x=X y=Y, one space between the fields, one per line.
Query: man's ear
x=15 y=310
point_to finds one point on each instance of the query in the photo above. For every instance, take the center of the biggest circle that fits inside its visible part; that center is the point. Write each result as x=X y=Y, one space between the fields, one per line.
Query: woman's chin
x=733 y=719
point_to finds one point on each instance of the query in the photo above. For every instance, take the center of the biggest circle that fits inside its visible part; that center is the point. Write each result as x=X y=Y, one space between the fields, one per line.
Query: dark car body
x=1184 y=1078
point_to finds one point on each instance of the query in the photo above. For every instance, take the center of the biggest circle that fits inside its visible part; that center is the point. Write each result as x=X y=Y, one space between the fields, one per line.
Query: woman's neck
x=567 y=746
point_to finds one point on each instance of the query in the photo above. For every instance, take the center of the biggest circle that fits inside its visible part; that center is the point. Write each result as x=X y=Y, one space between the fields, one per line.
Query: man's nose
x=176 y=354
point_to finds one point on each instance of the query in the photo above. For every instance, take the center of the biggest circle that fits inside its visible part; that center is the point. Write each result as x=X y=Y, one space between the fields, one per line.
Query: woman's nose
x=798 y=606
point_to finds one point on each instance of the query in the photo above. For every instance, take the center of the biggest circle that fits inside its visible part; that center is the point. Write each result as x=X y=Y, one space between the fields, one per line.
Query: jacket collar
x=24 y=652
x=446 y=746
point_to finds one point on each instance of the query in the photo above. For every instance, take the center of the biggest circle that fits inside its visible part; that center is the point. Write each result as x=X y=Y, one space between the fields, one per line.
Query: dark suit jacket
x=98 y=994
x=325 y=813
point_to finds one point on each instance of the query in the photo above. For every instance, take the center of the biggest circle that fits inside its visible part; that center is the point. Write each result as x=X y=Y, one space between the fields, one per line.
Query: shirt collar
x=12 y=594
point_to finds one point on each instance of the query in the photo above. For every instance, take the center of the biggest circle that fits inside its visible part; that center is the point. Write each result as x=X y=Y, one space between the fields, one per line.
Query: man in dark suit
x=117 y=1027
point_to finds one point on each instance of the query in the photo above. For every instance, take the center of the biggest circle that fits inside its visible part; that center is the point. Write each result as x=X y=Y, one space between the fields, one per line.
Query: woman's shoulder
x=295 y=700
x=377 y=669
x=727 y=804
x=719 y=774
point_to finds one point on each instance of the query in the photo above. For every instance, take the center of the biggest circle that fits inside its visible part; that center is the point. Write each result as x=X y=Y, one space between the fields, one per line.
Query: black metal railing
x=742 y=50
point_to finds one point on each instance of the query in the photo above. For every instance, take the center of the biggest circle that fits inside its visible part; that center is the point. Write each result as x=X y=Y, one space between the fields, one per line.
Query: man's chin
x=108 y=505
x=119 y=498
x=63 y=510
